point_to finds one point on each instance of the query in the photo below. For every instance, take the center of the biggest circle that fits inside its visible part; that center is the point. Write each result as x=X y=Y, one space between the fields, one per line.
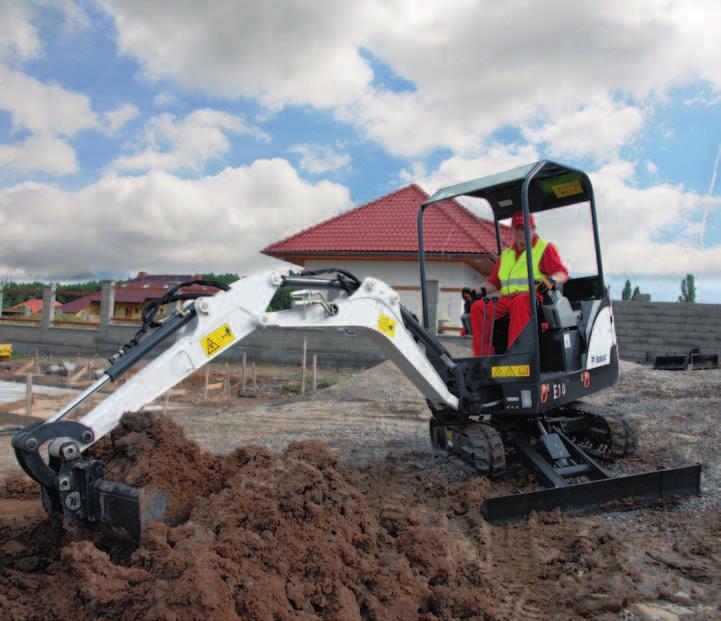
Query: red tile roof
x=388 y=225
x=137 y=291
x=35 y=305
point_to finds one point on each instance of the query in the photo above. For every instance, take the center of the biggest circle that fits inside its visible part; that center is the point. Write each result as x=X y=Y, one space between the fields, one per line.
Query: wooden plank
x=244 y=373
x=315 y=372
x=5 y=408
x=207 y=378
x=25 y=368
x=303 y=366
x=29 y=394
x=79 y=374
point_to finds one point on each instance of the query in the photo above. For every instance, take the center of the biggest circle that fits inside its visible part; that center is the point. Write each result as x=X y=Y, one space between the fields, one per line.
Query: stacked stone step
x=645 y=329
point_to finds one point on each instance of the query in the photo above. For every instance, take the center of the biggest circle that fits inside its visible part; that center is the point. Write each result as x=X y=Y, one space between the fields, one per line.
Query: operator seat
x=558 y=313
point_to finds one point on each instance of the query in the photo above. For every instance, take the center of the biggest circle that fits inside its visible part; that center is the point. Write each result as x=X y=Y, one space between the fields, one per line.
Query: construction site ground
x=332 y=505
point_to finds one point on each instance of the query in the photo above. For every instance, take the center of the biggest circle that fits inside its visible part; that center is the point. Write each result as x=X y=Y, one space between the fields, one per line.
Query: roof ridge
x=346 y=213
x=452 y=216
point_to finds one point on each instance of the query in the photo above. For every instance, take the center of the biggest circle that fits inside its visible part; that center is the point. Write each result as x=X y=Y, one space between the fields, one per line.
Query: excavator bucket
x=125 y=511
x=76 y=489
x=645 y=488
x=671 y=362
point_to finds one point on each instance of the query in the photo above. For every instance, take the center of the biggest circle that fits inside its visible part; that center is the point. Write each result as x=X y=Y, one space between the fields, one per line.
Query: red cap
x=517 y=219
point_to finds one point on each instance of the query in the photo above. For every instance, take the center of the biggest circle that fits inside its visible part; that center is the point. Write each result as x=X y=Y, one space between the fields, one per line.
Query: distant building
x=28 y=307
x=380 y=239
x=131 y=296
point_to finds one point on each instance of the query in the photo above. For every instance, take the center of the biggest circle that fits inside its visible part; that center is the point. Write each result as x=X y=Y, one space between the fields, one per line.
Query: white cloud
x=43 y=107
x=598 y=128
x=704 y=99
x=39 y=154
x=651 y=168
x=186 y=144
x=554 y=56
x=160 y=222
x=456 y=169
x=18 y=37
x=318 y=159
x=558 y=56
x=74 y=15
x=115 y=119
x=649 y=231
x=164 y=99
x=280 y=52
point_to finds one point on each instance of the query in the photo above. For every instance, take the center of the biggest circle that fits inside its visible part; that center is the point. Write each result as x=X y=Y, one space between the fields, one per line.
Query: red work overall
x=516 y=305
x=518 y=308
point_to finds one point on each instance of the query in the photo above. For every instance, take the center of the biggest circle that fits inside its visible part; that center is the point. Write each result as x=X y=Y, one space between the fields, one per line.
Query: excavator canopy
x=553 y=185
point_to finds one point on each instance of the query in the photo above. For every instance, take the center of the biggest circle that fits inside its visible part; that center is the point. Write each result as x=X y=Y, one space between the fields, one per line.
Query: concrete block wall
x=642 y=328
x=646 y=328
x=268 y=345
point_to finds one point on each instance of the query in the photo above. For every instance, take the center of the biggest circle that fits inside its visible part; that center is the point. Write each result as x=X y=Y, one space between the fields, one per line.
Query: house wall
x=404 y=276
x=122 y=310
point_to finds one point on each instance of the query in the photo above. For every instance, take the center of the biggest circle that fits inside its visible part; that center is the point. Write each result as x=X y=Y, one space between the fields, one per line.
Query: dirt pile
x=383 y=383
x=18 y=486
x=250 y=536
x=295 y=535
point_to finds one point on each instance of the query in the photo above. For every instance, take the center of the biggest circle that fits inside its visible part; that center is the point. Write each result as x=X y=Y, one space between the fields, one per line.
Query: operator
x=510 y=278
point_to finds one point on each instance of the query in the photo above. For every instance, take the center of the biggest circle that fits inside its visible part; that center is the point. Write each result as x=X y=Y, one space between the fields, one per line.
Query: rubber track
x=623 y=440
x=481 y=446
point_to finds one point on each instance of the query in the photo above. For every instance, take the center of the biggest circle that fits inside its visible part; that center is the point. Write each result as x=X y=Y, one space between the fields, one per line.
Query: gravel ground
x=652 y=563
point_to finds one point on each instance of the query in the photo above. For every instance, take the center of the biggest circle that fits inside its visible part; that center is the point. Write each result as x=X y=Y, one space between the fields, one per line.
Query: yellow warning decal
x=387 y=325
x=567 y=189
x=218 y=339
x=514 y=370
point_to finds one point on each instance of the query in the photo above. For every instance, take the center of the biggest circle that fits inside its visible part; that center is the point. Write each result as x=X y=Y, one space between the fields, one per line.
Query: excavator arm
x=203 y=329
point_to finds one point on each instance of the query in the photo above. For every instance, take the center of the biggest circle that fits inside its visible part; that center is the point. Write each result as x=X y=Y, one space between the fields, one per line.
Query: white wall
x=451 y=275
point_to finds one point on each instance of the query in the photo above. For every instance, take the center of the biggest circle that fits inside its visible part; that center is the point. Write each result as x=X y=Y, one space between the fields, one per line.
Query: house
x=380 y=239
x=131 y=296
x=28 y=307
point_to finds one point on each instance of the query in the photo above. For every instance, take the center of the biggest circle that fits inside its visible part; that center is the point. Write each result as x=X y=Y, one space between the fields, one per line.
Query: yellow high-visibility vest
x=513 y=272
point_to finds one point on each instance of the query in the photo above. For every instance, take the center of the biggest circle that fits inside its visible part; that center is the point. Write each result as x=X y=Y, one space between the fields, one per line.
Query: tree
x=627 y=291
x=224 y=278
x=281 y=300
x=688 y=290
x=636 y=292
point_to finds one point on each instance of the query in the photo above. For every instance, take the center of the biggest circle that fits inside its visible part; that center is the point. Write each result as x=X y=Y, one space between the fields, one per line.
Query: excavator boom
x=204 y=329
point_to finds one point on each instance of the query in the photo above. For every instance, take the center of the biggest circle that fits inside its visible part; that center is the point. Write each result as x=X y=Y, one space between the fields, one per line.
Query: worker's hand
x=545 y=284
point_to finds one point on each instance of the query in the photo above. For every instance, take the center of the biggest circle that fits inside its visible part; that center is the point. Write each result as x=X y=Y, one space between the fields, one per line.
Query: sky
x=184 y=136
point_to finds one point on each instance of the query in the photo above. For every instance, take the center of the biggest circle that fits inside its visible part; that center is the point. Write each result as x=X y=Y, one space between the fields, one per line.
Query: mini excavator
x=524 y=403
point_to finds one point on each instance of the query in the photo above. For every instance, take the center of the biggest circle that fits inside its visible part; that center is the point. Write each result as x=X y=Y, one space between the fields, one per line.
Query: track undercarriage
x=561 y=448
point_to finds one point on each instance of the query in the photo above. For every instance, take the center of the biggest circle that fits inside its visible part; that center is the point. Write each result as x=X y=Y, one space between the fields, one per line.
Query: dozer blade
x=644 y=488
x=671 y=362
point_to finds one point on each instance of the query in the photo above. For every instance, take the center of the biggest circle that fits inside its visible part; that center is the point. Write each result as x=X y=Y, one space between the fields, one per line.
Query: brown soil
x=297 y=535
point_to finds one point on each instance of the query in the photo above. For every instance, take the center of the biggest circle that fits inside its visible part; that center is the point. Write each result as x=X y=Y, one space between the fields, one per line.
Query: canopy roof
x=552 y=185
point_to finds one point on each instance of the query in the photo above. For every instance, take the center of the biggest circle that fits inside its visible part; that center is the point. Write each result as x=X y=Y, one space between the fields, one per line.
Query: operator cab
x=563 y=344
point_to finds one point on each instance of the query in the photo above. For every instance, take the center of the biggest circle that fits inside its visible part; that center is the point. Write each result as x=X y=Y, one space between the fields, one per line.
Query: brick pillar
x=107 y=303
x=48 y=310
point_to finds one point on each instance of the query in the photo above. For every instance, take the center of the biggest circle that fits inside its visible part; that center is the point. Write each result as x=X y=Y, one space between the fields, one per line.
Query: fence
x=643 y=329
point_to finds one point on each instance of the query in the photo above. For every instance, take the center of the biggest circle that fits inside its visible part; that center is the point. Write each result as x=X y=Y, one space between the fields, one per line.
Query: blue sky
x=179 y=137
